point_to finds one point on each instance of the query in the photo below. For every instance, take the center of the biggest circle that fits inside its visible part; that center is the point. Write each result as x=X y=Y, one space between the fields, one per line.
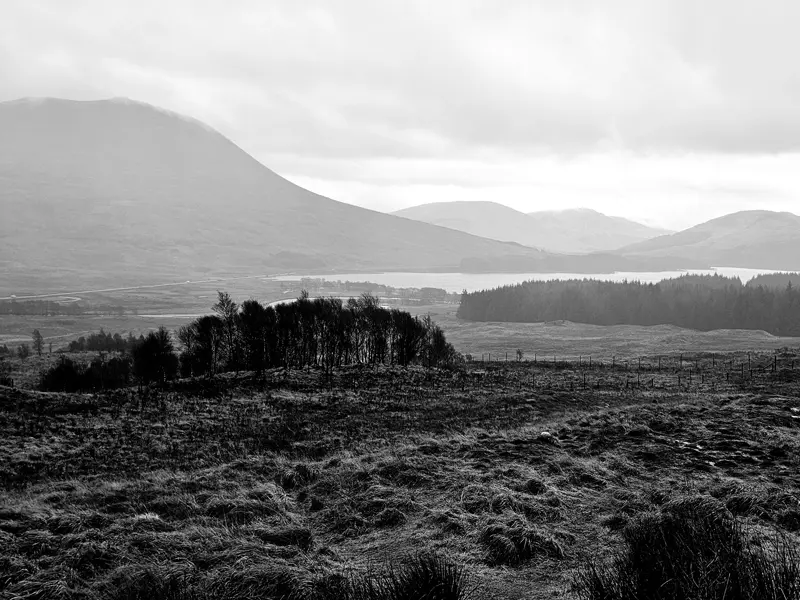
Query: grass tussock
x=694 y=548
x=514 y=542
x=424 y=576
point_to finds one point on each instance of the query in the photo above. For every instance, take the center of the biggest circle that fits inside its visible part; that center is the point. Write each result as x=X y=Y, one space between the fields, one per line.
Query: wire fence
x=664 y=371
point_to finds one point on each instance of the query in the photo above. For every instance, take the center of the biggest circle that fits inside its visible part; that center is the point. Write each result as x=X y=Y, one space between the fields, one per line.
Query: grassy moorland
x=566 y=339
x=292 y=486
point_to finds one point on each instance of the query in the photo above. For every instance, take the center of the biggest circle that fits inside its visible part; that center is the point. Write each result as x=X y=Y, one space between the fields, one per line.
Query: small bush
x=694 y=548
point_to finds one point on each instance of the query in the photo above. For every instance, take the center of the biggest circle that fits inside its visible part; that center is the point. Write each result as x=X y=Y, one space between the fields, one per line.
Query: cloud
x=395 y=95
x=360 y=78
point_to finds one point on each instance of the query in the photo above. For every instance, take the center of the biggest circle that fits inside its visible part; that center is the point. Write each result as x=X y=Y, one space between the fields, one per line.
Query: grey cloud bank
x=326 y=92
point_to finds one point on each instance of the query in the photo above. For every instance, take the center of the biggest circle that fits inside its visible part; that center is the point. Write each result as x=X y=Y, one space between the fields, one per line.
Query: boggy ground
x=504 y=469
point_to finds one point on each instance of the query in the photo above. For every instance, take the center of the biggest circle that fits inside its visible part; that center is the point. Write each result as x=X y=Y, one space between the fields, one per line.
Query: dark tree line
x=72 y=376
x=151 y=359
x=53 y=307
x=697 y=302
x=105 y=342
x=323 y=332
x=775 y=280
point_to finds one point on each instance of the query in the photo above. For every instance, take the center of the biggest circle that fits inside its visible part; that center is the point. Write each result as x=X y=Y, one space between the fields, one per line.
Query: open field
x=516 y=471
x=566 y=339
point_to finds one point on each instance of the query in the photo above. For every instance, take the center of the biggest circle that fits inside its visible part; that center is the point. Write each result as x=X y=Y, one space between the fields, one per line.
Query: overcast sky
x=670 y=112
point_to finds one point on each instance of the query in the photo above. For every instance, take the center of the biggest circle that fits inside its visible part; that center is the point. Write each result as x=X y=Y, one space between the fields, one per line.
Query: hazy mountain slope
x=571 y=231
x=117 y=192
x=754 y=238
x=586 y=230
x=486 y=219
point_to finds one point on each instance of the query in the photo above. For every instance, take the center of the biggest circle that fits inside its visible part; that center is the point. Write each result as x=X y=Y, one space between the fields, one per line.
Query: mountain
x=117 y=192
x=757 y=239
x=586 y=230
x=485 y=219
x=567 y=231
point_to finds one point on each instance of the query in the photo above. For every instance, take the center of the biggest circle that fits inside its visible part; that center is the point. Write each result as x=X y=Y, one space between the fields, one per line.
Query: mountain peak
x=111 y=107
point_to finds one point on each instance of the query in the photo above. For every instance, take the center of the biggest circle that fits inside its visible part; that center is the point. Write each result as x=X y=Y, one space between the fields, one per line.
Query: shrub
x=694 y=548
x=23 y=351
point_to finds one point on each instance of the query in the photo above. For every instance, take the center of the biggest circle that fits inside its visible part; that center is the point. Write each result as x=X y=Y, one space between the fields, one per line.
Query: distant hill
x=586 y=230
x=567 y=231
x=756 y=239
x=117 y=192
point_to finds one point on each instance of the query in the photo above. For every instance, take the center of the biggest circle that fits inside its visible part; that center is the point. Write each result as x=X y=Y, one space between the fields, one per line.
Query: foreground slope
x=117 y=192
x=754 y=238
x=230 y=486
x=570 y=231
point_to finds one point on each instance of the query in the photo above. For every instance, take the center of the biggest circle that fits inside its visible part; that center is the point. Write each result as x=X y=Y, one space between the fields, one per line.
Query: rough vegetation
x=510 y=478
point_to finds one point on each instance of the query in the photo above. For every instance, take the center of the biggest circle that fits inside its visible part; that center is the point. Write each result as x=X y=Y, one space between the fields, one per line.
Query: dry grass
x=239 y=488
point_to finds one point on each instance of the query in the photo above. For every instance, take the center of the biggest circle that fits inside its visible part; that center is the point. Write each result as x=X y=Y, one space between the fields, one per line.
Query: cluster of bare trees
x=320 y=332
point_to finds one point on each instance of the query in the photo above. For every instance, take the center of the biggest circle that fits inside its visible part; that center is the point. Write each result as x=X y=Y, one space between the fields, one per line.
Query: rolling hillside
x=117 y=192
x=566 y=231
x=756 y=239
x=586 y=230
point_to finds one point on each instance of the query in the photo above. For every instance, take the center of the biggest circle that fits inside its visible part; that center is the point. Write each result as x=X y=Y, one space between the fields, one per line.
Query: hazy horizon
x=655 y=111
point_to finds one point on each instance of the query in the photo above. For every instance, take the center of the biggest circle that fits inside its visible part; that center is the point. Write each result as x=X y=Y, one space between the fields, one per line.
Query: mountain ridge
x=572 y=231
x=749 y=238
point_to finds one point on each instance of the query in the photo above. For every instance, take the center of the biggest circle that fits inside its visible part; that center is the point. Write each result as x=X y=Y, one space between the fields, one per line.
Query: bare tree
x=38 y=342
x=227 y=310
